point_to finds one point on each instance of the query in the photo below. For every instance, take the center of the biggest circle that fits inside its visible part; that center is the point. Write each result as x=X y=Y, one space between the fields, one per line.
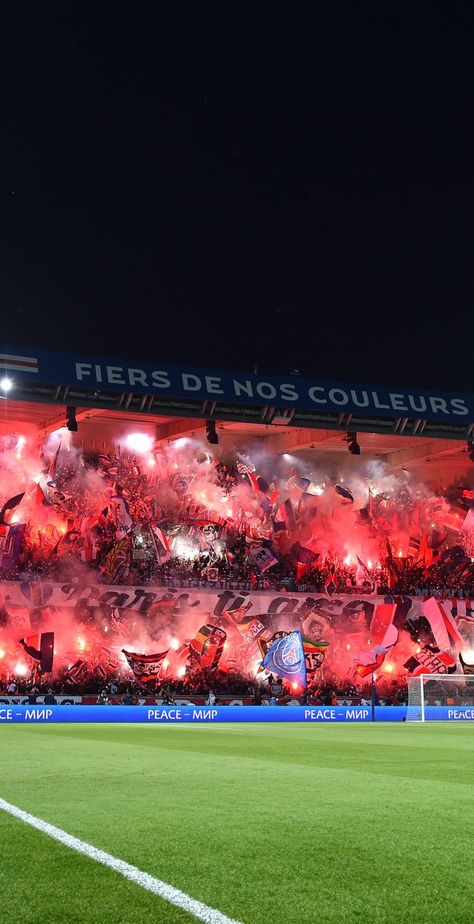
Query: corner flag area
x=237 y=823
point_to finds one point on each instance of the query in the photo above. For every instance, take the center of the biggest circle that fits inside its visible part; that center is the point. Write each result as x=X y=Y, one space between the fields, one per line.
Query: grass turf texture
x=298 y=824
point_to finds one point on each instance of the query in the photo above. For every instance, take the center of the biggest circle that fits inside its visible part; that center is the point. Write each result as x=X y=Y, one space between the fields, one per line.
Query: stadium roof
x=283 y=414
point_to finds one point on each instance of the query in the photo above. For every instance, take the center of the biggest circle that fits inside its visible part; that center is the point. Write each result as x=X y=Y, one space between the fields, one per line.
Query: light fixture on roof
x=352 y=444
x=71 y=422
x=211 y=432
x=6 y=384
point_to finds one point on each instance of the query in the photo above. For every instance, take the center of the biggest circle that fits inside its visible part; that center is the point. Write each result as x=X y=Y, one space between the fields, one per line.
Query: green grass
x=286 y=823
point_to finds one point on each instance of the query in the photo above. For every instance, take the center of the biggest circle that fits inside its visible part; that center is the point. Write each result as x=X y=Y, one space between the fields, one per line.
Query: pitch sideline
x=173 y=896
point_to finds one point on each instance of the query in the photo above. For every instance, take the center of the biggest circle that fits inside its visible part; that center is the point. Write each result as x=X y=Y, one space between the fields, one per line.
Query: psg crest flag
x=286 y=658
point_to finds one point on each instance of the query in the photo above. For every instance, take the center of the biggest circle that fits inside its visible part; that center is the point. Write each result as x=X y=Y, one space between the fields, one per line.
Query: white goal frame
x=416 y=702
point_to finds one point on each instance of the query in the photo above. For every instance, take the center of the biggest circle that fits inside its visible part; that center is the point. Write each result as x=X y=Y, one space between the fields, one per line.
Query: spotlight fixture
x=211 y=433
x=71 y=422
x=352 y=444
x=6 y=384
x=470 y=450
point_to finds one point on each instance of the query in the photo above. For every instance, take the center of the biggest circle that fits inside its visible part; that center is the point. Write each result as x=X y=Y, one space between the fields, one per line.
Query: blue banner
x=449 y=713
x=162 y=380
x=165 y=715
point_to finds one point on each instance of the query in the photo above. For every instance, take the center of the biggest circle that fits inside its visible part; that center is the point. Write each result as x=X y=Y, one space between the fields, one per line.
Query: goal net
x=440 y=697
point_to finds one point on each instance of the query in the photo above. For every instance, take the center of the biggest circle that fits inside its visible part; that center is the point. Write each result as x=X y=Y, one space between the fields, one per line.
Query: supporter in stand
x=50 y=699
x=33 y=696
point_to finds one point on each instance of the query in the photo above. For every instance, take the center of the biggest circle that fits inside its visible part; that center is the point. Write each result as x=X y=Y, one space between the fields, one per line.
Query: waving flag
x=344 y=492
x=41 y=649
x=314 y=651
x=250 y=627
x=330 y=582
x=443 y=624
x=244 y=469
x=208 y=645
x=369 y=661
x=76 y=672
x=54 y=462
x=11 y=539
x=285 y=657
x=146 y=668
x=10 y=505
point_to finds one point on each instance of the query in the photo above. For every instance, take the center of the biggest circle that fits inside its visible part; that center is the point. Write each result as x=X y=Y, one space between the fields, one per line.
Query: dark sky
x=230 y=185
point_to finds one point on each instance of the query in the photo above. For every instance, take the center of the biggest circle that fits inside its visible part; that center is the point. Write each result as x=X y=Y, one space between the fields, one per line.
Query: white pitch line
x=167 y=892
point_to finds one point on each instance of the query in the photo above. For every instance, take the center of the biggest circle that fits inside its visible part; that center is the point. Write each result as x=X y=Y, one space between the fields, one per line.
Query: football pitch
x=290 y=823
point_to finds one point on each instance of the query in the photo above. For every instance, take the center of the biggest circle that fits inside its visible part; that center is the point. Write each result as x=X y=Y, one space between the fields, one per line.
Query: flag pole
x=372 y=695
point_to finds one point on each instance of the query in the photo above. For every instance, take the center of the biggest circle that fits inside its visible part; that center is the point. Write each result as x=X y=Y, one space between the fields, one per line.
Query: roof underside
x=101 y=429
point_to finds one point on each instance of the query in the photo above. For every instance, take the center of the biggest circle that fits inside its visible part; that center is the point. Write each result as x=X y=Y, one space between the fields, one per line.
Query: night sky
x=232 y=185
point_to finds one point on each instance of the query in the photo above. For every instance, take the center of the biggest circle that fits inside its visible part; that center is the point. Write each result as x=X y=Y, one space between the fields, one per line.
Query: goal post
x=439 y=697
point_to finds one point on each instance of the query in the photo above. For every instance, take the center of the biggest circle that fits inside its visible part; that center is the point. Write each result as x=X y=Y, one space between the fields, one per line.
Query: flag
x=313 y=651
x=286 y=659
x=303 y=554
x=117 y=618
x=298 y=482
x=250 y=627
x=314 y=654
x=38 y=494
x=245 y=469
x=366 y=573
x=330 y=582
x=161 y=543
x=54 y=462
x=369 y=661
x=208 y=645
x=18 y=363
x=467 y=668
x=443 y=625
x=146 y=668
x=414 y=545
x=11 y=538
x=41 y=649
x=10 y=505
x=468 y=524
x=76 y=672
x=381 y=622
x=344 y=492
x=262 y=558
x=258 y=482
x=454 y=518
x=430 y=660
x=286 y=511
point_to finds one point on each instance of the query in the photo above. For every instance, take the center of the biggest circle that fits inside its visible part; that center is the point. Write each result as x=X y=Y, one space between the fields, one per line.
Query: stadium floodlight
x=6 y=384
x=441 y=697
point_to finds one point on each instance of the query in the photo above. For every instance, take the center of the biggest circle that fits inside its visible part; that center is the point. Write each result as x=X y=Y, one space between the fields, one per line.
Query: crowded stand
x=167 y=570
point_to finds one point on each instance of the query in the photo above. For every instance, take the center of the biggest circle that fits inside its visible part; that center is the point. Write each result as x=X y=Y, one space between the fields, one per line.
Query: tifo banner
x=346 y=635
